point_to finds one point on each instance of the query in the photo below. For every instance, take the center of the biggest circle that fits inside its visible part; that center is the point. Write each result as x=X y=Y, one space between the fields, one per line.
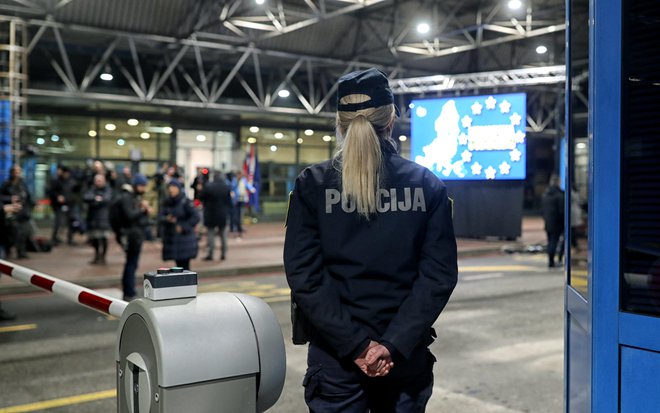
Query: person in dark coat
x=216 y=198
x=134 y=213
x=15 y=192
x=553 y=215
x=98 y=199
x=178 y=217
x=4 y=240
x=370 y=256
x=62 y=198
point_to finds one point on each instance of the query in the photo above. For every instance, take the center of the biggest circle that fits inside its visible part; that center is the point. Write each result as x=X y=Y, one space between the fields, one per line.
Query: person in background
x=134 y=213
x=4 y=240
x=76 y=222
x=216 y=198
x=16 y=193
x=56 y=203
x=242 y=197
x=62 y=200
x=553 y=216
x=233 y=205
x=178 y=217
x=576 y=217
x=98 y=199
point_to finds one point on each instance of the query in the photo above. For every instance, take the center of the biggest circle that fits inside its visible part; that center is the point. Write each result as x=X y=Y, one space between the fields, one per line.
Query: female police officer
x=370 y=257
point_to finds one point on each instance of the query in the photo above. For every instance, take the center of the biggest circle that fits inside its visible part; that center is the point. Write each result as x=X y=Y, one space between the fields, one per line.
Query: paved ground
x=500 y=346
x=260 y=250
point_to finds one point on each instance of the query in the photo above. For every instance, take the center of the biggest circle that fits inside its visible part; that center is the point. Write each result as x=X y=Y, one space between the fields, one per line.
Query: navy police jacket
x=384 y=279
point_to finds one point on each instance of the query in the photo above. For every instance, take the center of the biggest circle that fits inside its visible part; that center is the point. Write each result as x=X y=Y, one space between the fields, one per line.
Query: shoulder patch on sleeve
x=451 y=202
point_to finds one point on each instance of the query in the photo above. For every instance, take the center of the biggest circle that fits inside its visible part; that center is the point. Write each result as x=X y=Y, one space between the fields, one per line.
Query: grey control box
x=170 y=284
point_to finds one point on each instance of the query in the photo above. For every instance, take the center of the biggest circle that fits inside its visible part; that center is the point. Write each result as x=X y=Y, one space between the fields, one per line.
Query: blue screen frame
x=471 y=137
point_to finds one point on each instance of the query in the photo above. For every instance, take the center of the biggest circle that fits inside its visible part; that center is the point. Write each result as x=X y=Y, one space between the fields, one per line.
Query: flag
x=253 y=174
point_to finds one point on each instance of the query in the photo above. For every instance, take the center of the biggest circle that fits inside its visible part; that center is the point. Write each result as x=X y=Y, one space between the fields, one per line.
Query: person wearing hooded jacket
x=134 y=211
x=178 y=217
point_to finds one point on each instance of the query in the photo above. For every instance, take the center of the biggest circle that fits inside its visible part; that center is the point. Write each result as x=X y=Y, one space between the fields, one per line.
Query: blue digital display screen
x=471 y=138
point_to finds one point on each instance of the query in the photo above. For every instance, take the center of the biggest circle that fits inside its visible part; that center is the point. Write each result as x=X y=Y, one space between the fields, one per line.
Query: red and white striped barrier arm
x=65 y=289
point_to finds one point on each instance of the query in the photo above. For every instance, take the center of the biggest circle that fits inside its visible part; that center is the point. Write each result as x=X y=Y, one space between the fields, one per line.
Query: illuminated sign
x=471 y=138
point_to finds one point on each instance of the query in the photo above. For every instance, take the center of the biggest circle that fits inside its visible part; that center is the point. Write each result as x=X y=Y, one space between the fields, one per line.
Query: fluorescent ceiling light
x=514 y=4
x=423 y=28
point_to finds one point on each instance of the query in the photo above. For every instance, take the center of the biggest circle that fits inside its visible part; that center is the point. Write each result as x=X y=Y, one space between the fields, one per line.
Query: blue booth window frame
x=605 y=45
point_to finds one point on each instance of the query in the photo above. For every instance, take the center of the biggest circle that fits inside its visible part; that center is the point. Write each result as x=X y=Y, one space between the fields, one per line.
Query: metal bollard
x=217 y=352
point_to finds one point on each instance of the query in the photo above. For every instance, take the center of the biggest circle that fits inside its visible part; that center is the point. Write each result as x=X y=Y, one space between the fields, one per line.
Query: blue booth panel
x=640 y=387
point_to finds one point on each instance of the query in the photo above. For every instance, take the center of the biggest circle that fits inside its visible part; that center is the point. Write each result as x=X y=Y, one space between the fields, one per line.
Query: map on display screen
x=471 y=138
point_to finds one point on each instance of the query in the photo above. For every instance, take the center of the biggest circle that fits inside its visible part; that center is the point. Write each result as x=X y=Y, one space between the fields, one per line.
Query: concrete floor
x=500 y=345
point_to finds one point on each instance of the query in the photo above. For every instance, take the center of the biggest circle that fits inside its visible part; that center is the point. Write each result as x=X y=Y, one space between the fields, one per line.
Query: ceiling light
x=121 y=142
x=403 y=138
x=54 y=138
x=411 y=106
x=252 y=139
x=145 y=135
x=581 y=145
x=92 y=133
x=200 y=138
x=254 y=129
x=541 y=49
x=309 y=132
x=260 y=1
x=514 y=4
x=110 y=126
x=327 y=138
x=273 y=148
x=41 y=141
x=107 y=76
x=300 y=141
x=132 y=122
x=284 y=93
x=423 y=28
x=167 y=130
x=278 y=135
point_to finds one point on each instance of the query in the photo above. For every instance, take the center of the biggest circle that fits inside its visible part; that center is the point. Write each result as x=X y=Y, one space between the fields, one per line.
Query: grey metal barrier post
x=182 y=353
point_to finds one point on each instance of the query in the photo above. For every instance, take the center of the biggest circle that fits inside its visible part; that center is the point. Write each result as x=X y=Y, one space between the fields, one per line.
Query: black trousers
x=338 y=386
x=553 y=244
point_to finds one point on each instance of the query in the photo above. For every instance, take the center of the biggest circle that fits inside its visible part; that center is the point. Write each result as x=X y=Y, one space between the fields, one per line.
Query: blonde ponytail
x=360 y=153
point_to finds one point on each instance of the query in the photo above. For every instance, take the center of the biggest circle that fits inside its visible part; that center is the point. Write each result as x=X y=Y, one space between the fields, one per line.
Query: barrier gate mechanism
x=179 y=352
